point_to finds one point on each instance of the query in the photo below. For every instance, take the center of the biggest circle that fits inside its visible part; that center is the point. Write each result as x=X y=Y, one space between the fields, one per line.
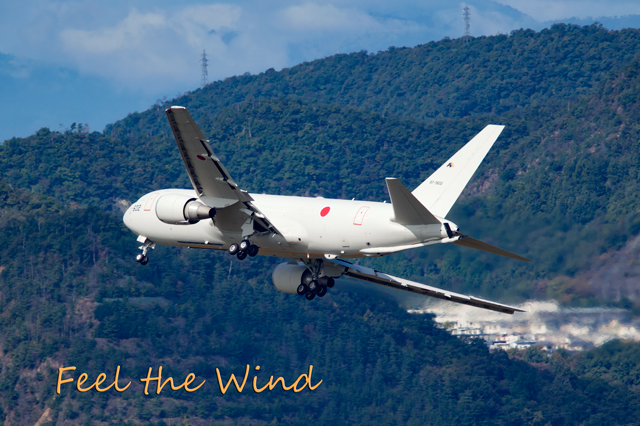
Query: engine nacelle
x=288 y=276
x=180 y=209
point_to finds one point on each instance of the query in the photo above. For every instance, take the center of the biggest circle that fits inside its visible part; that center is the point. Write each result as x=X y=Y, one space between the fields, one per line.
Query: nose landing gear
x=142 y=258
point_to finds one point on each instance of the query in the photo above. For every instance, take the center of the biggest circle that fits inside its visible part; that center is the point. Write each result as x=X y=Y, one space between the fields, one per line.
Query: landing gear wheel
x=313 y=287
x=303 y=289
x=244 y=245
x=233 y=249
x=331 y=282
x=253 y=250
x=242 y=255
x=310 y=296
x=322 y=291
x=147 y=244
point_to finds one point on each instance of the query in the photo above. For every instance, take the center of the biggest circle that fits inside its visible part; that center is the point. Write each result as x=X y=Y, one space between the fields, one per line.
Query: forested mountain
x=444 y=79
x=557 y=169
x=71 y=296
x=560 y=186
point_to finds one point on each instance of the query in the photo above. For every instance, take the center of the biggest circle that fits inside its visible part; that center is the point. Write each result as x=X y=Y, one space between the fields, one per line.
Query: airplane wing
x=210 y=179
x=371 y=275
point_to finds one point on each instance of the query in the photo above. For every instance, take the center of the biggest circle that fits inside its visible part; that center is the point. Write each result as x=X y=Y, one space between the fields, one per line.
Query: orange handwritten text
x=296 y=386
x=83 y=384
x=83 y=378
x=190 y=378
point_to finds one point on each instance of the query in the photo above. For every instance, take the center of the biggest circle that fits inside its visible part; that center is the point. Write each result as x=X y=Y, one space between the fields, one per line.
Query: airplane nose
x=126 y=218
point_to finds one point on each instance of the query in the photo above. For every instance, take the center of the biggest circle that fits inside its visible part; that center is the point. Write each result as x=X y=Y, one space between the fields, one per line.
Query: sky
x=93 y=62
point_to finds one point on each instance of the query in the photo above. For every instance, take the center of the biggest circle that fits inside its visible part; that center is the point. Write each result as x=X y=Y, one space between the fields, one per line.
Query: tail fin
x=441 y=190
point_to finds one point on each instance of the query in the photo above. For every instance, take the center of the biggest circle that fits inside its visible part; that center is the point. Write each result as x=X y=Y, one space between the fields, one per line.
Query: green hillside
x=560 y=186
x=72 y=296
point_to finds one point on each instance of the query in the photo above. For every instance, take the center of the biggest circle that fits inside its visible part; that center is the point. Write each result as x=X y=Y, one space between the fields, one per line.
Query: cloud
x=495 y=20
x=156 y=45
x=152 y=49
x=156 y=49
x=129 y=34
x=553 y=10
x=14 y=68
x=326 y=17
x=313 y=30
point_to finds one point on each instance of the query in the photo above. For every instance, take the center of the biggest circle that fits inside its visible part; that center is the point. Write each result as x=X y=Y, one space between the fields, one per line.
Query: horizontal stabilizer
x=469 y=242
x=407 y=209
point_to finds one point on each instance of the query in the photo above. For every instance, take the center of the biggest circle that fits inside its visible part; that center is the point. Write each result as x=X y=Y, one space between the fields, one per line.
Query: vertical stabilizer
x=441 y=190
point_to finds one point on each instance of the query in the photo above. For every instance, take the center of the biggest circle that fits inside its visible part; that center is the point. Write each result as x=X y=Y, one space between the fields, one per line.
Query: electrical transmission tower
x=203 y=64
x=467 y=25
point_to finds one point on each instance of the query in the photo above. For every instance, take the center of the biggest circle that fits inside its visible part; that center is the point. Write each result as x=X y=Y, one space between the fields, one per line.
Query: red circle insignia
x=325 y=211
x=200 y=157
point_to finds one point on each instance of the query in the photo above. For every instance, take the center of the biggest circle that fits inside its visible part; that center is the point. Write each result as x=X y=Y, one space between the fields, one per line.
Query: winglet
x=407 y=209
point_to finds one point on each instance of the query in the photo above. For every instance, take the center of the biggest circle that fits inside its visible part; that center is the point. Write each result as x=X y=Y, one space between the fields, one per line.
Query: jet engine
x=180 y=209
x=288 y=276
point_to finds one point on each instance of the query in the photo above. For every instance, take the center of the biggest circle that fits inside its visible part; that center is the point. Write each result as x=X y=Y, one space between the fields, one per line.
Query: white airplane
x=318 y=234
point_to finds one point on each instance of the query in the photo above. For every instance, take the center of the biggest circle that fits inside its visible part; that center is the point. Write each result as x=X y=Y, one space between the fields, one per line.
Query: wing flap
x=367 y=274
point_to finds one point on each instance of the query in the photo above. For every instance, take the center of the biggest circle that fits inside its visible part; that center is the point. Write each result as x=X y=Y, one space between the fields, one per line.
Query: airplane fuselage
x=318 y=233
x=308 y=227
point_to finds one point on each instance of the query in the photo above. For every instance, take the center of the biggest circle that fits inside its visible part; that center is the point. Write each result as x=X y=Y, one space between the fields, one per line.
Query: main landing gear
x=244 y=249
x=142 y=258
x=312 y=283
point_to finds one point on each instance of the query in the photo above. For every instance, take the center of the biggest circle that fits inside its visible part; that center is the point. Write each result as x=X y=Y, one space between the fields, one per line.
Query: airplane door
x=344 y=230
x=343 y=238
x=360 y=215
x=150 y=201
